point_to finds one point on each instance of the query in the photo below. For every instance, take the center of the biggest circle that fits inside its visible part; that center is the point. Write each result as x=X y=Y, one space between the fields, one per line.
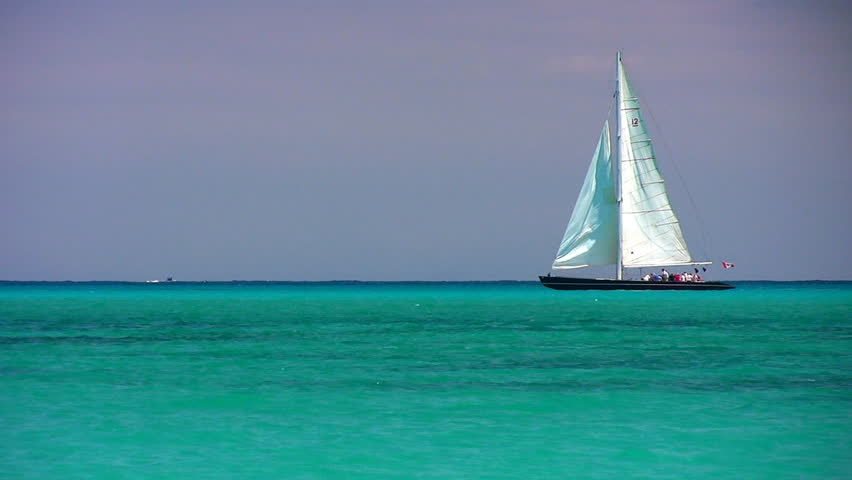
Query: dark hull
x=566 y=283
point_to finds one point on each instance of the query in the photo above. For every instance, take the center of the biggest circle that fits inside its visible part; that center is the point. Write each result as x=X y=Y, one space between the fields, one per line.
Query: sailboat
x=623 y=215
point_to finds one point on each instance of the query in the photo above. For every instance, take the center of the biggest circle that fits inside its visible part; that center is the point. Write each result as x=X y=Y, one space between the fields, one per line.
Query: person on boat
x=678 y=277
x=647 y=277
x=656 y=278
x=665 y=275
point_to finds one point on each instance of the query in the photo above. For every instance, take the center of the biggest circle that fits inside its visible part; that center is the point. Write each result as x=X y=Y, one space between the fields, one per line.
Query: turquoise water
x=423 y=380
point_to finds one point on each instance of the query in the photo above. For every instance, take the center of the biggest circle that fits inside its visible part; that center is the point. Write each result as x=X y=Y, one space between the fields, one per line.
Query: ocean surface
x=423 y=381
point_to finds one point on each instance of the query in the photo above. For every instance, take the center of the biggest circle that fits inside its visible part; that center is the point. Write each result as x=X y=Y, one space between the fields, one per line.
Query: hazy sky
x=423 y=140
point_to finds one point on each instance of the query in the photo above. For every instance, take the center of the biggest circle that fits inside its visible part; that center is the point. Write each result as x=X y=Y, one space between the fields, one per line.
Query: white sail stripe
x=661 y=194
x=655 y=256
x=648 y=260
x=664 y=233
x=650 y=173
x=646 y=200
x=672 y=264
x=668 y=209
x=670 y=220
x=649 y=257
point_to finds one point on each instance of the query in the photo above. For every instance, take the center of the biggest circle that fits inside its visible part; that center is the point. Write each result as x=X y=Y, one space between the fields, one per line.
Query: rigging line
x=704 y=234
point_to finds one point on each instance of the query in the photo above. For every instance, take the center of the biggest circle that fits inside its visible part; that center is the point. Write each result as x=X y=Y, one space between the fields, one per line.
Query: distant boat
x=168 y=279
x=623 y=215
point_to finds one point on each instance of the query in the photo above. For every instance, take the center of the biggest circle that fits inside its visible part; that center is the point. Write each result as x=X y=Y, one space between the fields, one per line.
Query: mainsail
x=592 y=234
x=650 y=231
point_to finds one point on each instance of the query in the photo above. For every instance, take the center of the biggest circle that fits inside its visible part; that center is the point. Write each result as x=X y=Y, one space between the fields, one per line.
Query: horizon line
x=362 y=281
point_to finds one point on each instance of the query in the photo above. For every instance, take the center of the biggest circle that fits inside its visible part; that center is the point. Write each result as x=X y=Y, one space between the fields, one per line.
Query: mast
x=619 y=264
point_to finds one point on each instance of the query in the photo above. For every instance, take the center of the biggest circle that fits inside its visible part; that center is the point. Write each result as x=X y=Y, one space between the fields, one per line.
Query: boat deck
x=568 y=283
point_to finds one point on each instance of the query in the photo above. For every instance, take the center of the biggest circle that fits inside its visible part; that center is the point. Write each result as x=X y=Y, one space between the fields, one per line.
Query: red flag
x=727 y=265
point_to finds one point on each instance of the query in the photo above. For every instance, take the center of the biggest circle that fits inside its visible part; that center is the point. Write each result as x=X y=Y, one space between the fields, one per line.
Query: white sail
x=650 y=231
x=592 y=233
